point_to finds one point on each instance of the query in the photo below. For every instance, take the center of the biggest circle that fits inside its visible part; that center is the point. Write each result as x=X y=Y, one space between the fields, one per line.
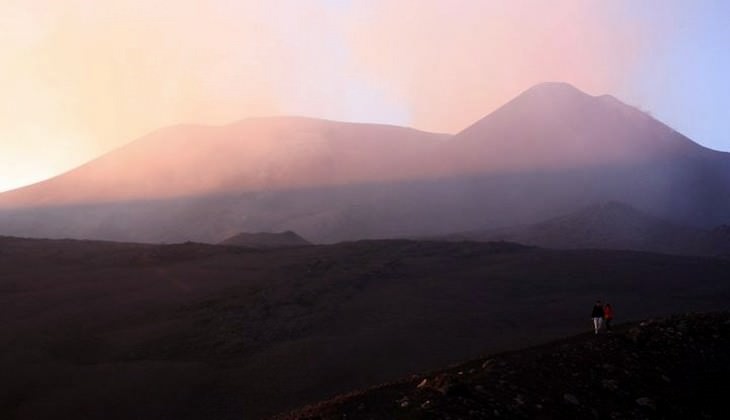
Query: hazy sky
x=81 y=77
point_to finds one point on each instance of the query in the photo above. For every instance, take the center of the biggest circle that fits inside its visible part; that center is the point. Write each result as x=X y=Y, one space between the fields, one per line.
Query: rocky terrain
x=190 y=331
x=662 y=368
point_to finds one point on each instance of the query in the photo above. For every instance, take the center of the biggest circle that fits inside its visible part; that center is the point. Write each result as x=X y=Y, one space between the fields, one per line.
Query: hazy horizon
x=81 y=79
x=280 y=117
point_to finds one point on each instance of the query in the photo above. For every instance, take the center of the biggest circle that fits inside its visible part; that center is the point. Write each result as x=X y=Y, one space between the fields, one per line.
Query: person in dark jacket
x=597 y=316
x=608 y=316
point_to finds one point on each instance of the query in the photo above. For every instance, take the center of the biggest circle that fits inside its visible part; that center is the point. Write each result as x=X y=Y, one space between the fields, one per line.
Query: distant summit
x=555 y=89
x=263 y=240
x=555 y=125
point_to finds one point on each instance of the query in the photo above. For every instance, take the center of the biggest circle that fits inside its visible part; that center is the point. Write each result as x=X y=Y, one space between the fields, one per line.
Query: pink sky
x=82 y=77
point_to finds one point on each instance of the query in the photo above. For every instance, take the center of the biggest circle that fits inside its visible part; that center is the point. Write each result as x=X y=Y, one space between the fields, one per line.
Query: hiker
x=608 y=316
x=597 y=316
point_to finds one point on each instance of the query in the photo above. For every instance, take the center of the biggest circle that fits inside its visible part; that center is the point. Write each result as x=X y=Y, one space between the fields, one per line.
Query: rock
x=446 y=389
x=646 y=402
x=609 y=384
x=634 y=334
x=457 y=389
x=572 y=399
x=440 y=383
x=426 y=404
x=423 y=383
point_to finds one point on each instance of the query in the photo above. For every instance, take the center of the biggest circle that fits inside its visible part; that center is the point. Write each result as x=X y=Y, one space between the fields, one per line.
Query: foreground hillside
x=191 y=331
x=659 y=368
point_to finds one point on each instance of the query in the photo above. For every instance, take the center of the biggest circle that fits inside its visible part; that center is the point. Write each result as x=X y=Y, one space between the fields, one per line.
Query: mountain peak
x=555 y=88
x=556 y=125
x=553 y=101
x=551 y=95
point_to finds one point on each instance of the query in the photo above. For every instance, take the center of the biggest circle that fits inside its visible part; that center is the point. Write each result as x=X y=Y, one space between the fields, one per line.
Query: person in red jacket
x=607 y=316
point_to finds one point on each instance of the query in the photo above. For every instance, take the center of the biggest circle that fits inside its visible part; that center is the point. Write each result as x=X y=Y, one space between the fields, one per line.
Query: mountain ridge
x=237 y=158
x=555 y=124
x=549 y=151
x=610 y=225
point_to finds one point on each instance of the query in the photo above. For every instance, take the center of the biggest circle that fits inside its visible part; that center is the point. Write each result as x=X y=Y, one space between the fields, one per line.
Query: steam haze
x=81 y=78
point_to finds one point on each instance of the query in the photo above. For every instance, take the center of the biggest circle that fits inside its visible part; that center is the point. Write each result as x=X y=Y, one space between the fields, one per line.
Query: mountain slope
x=255 y=154
x=597 y=146
x=551 y=151
x=555 y=125
x=610 y=225
x=659 y=368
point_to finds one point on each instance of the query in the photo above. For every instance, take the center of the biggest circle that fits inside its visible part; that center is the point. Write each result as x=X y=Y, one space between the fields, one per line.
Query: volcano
x=550 y=151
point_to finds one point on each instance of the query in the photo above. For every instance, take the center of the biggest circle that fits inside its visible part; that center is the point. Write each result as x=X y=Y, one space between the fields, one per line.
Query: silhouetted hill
x=659 y=368
x=255 y=154
x=550 y=151
x=265 y=240
x=190 y=331
x=611 y=225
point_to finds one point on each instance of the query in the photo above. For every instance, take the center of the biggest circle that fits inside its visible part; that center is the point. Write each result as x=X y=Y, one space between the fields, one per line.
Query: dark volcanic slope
x=611 y=225
x=665 y=368
x=265 y=240
x=200 y=331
